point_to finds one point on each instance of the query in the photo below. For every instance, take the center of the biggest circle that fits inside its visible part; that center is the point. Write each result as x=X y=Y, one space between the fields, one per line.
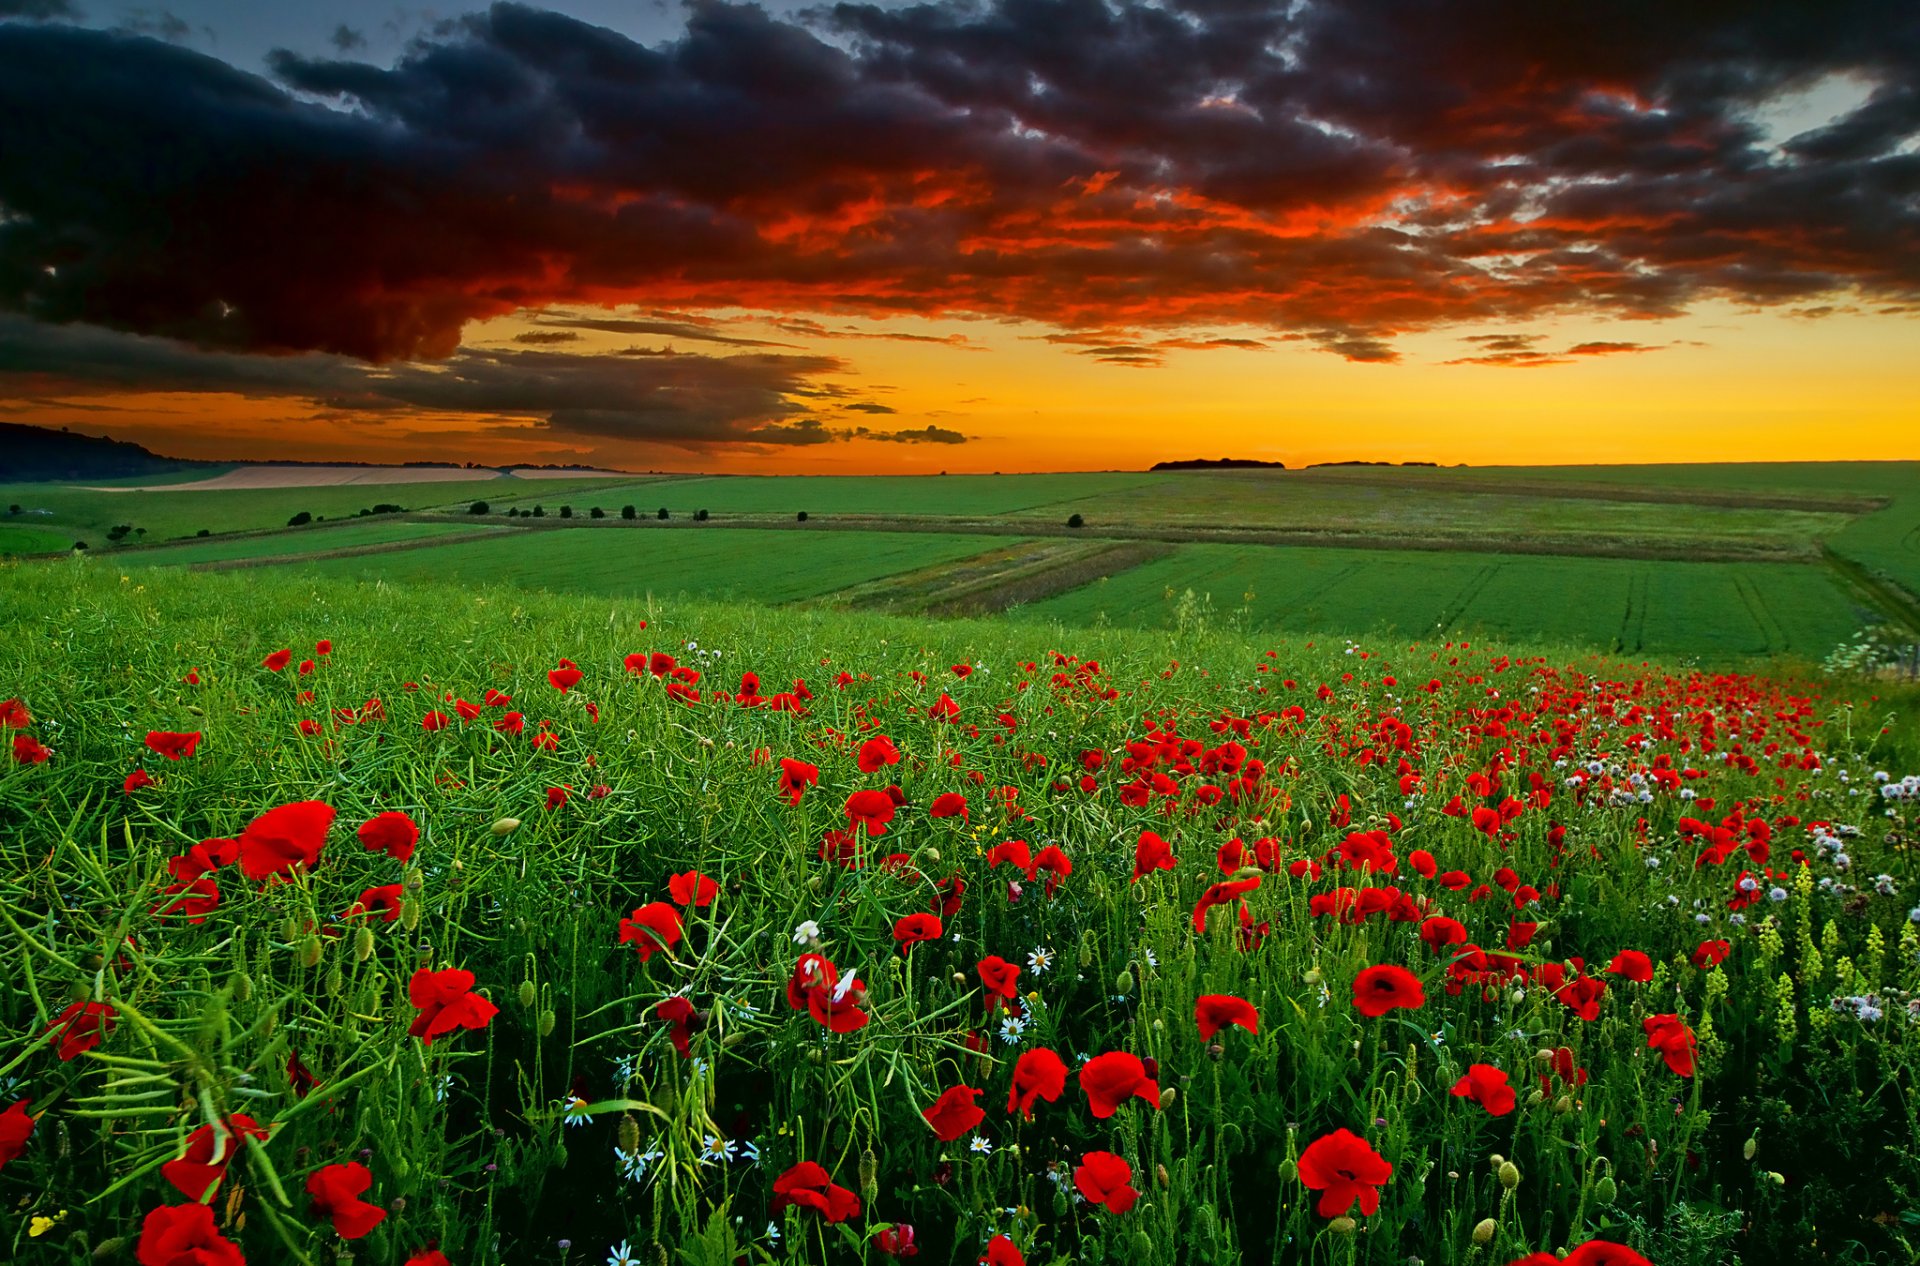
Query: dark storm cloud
x=1336 y=173
x=40 y=9
x=928 y=434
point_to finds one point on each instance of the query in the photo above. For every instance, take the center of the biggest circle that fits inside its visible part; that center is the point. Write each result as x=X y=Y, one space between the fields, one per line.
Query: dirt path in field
x=1890 y=600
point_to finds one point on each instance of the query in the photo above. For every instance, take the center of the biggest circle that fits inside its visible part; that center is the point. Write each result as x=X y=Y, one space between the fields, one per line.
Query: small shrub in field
x=1075 y=521
x=699 y=516
x=301 y=519
x=662 y=514
x=596 y=513
x=479 y=507
x=801 y=517
x=566 y=512
x=628 y=512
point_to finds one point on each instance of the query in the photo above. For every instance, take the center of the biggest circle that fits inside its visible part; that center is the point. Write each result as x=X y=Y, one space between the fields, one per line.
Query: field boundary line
x=1882 y=595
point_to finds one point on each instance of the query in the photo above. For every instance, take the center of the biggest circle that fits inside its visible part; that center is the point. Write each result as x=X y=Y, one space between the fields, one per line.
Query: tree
x=204 y=532
x=300 y=520
x=628 y=512
x=1075 y=521
x=699 y=516
x=663 y=515
x=802 y=517
x=79 y=544
x=596 y=513
x=118 y=532
x=14 y=508
x=539 y=512
x=479 y=507
x=513 y=512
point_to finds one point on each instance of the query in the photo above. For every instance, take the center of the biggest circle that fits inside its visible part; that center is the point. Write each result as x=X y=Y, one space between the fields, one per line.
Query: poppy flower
x=1603 y=1253
x=917 y=927
x=896 y=1240
x=565 y=677
x=300 y=1078
x=1011 y=852
x=1112 y=1079
x=434 y=721
x=383 y=901
x=652 y=928
x=429 y=1257
x=678 y=1013
x=817 y=988
x=392 y=833
x=1038 y=1074
x=1439 y=931
x=282 y=838
x=954 y=1113
x=1486 y=1086
x=278 y=660
x=872 y=810
x=194 y=898
x=511 y=723
x=81 y=1026
x=1214 y=1011
x=1057 y=865
x=1670 y=1035
x=1104 y=1179
x=16 y=1127
x=809 y=1186
x=557 y=796
x=876 y=754
x=944 y=708
x=28 y=750
x=138 y=780
x=1002 y=1251
x=185 y=1235
x=1711 y=953
x=1220 y=894
x=1632 y=965
x=1149 y=854
x=14 y=715
x=949 y=804
x=446 y=1002
x=171 y=745
x=999 y=977
x=1344 y=1169
x=207 y=855
x=691 y=888
x=336 y=1194
x=795 y=777
x=323 y=647
x=204 y=1163
x=1383 y=988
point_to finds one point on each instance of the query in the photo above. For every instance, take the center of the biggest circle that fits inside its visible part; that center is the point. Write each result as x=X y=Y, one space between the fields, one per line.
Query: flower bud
x=629 y=1134
x=1123 y=983
x=1167 y=1096
x=1606 y=1191
x=547 y=1022
x=1483 y=1231
x=310 y=951
x=933 y=855
x=1288 y=1171
x=505 y=827
x=242 y=986
x=1509 y=1175
x=363 y=944
x=1753 y=1145
x=528 y=994
x=1343 y=1225
x=1160 y=1173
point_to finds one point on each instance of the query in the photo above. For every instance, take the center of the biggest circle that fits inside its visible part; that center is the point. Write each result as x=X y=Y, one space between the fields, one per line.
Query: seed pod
x=630 y=1134
x=547 y=1021
x=363 y=944
x=310 y=951
x=869 y=1176
x=1160 y=1173
x=1606 y=1191
x=1483 y=1231
x=1215 y=1051
x=505 y=827
x=414 y=880
x=1343 y=1226
x=528 y=994
x=933 y=855
x=1509 y=1175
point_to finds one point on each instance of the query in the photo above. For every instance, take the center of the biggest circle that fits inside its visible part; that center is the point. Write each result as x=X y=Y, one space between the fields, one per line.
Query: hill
x=35 y=454
x=1219 y=463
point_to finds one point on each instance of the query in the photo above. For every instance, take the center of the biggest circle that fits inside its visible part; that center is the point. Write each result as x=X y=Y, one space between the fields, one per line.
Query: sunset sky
x=1004 y=235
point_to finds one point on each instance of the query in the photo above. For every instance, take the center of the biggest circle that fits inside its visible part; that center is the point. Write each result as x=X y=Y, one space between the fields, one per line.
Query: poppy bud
x=1536 y=1098
x=814 y=884
x=528 y=994
x=659 y=1254
x=933 y=855
x=1509 y=1175
x=505 y=827
x=1343 y=1226
x=1124 y=981
x=1086 y=953
x=960 y=978
x=814 y=1056
x=630 y=1134
x=1563 y=1105
x=363 y=944
x=1159 y=1026
x=1215 y=1051
x=1606 y=1191
x=410 y=915
x=1152 y=1068
x=110 y=1248
x=1778 y=1180
x=1752 y=1146
x=1143 y=1246
x=1167 y=1096
x=1483 y=1230
x=288 y=930
x=560 y=1155
x=1543 y=1057
x=547 y=1021
x=1288 y=1170
x=242 y=986
x=1313 y=976
x=310 y=951
x=1160 y=1172
x=336 y=980
x=869 y=1176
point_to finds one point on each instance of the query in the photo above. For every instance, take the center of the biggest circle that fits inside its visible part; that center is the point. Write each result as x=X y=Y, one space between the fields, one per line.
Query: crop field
x=1717 y=610
x=294 y=542
x=762 y=566
x=459 y=923
x=952 y=496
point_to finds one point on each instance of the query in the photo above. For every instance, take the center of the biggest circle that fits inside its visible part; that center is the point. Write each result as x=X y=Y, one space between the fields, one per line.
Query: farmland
x=664 y=959
x=351 y=534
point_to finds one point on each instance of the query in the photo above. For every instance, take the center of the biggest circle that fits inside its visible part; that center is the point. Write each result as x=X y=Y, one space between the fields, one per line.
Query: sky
x=965 y=236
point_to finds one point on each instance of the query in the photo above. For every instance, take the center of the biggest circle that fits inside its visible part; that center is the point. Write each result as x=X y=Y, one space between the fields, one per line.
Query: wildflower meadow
x=431 y=926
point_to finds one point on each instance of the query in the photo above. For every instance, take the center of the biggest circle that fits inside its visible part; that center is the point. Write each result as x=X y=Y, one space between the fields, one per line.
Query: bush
x=539 y=512
x=14 y=508
x=1075 y=521
x=204 y=532
x=699 y=516
x=566 y=512
x=801 y=517
x=479 y=507
x=387 y=507
x=300 y=520
x=79 y=544
x=663 y=515
x=596 y=513
x=513 y=512
x=628 y=512
x=118 y=532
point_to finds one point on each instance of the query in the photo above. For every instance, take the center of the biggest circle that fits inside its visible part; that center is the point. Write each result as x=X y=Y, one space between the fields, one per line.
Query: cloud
x=37 y=9
x=868 y=406
x=1332 y=173
x=546 y=336
x=1522 y=351
x=928 y=434
x=347 y=40
x=697 y=330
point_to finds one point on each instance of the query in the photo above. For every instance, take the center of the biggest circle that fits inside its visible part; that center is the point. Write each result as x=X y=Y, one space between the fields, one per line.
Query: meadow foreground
x=428 y=926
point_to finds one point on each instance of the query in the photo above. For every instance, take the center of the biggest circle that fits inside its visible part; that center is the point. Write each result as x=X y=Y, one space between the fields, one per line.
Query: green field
x=956 y=496
x=292 y=542
x=1707 y=609
x=763 y=566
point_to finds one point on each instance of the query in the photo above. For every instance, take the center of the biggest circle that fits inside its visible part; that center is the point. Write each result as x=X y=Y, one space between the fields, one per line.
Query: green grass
x=313 y=539
x=961 y=496
x=1714 y=610
x=765 y=566
x=25 y=538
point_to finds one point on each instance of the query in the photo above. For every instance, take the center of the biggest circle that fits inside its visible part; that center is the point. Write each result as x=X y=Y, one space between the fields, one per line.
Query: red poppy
x=496 y=698
x=1711 y=953
x=872 y=810
x=280 y=839
x=876 y=754
x=204 y=1163
x=999 y=977
x=557 y=796
x=1440 y=931
x=323 y=647
x=336 y=1194
x=511 y=723
x=1221 y=894
x=896 y=1240
x=1214 y=1011
x=817 y=988
x=1670 y=1035
x=16 y=1127
x=944 y=708
x=1112 y=1079
x=136 y=781
x=429 y=1257
x=1057 y=865
x=1602 y=1253
x=809 y=1186
x=14 y=715
x=1632 y=965
x=691 y=888
x=434 y=721
x=1103 y=1178
x=1002 y=1251
x=652 y=928
x=185 y=1235
x=949 y=804
x=194 y=898
x=1344 y=1169
x=81 y=1026
x=954 y=1113
x=1486 y=1086
x=565 y=677
x=383 y=901
x=1385 y=987
x=1151 y=853
x=207 y=855
x=278 y=660
x=1011 y=852
x=392 y=833
x=795 y=777
x=1038 y=1074
x=917 y=927
x=299 y=1077
x=171 y=745
x=678 y=1013
x=28 y=750
x=446 y=1002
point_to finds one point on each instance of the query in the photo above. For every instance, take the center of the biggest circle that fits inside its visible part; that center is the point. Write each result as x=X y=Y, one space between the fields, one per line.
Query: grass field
x=1714 y=610
x=1410 y=882
x=956 y=496
x=293 y=542
x=761 y=566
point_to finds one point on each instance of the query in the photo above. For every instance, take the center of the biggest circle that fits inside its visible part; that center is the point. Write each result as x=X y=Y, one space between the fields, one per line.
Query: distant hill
x=32 y=454
x=1219 y=463
x=1318 y=465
